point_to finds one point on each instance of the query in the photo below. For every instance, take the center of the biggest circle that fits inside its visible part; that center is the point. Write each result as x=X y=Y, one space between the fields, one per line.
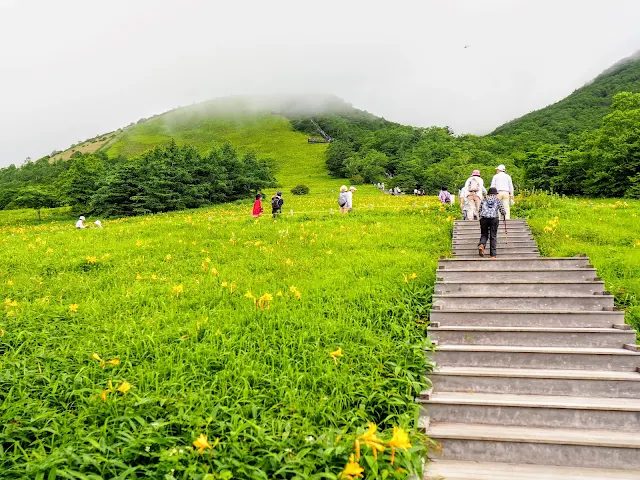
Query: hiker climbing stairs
x=536 y=374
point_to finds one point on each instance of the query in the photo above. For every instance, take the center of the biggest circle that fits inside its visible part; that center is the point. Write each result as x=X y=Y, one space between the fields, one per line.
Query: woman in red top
x=257 y=207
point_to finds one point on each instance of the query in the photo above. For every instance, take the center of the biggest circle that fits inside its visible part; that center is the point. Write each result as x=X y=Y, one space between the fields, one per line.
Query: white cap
x=501 y=167
x=353 y=188
x=98 y=222
x=81 y=217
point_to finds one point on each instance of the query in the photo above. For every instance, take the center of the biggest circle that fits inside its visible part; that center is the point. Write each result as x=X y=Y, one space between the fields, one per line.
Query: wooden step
x=460 y=470
x=582 y=383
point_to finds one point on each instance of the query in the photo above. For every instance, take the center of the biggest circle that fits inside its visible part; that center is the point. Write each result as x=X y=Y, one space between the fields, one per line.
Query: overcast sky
x=72 y=69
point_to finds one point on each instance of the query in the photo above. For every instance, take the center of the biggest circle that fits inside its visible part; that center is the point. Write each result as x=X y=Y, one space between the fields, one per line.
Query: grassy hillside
x=580 y=111
x=248 y=123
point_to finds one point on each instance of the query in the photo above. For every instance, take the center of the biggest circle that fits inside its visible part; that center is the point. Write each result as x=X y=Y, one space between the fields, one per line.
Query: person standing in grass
x=350 y=193
x=503 y=183
x=276 y=204
x=490 y=208
x=343 y=199
x=257 y=207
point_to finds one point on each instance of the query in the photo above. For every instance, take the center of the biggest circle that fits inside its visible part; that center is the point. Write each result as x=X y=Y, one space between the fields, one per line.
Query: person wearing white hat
x=80 y=222
x=350 y=198
x=502 y=182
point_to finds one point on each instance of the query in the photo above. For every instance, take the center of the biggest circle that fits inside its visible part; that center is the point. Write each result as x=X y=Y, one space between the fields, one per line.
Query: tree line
x=165 y=178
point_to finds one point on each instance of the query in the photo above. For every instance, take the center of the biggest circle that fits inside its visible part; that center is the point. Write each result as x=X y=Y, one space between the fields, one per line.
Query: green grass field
x=608 y=231
x=176 y=299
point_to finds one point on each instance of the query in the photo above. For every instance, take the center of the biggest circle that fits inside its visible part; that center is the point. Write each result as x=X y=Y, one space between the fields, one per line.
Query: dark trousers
x=489 y=231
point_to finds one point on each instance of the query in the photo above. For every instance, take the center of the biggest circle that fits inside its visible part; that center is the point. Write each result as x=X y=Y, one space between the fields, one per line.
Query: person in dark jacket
x=276 y=204
x=490 y=209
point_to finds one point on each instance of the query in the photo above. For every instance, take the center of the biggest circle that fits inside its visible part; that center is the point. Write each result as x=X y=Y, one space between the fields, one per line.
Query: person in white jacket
x=502 y=182
x=473 y=191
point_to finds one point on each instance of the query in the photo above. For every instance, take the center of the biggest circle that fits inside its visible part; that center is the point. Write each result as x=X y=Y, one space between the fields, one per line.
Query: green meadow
x=278 y=340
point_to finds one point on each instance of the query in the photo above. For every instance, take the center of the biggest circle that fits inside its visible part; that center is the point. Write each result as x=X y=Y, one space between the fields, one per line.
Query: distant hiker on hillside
x=257 y=207
x=343 y=199
x=80 y=222
x=350 y=193
x=276 y=204
x=489 y=221
x=445 y=196
x=502 y=182
x=473 y=192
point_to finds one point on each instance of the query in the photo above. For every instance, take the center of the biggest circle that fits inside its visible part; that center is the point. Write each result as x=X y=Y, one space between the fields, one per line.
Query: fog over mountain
x=73 y=69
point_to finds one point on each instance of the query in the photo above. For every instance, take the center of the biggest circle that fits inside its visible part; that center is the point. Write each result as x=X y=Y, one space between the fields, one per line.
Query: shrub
x=300 y=190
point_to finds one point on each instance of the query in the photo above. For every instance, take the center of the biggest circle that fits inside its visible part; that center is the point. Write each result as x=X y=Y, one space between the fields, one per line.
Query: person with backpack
x=474 y=191
x=490 y=209
x=276 y=204
x=257 y=207
x=445 y=196
x=343 y=199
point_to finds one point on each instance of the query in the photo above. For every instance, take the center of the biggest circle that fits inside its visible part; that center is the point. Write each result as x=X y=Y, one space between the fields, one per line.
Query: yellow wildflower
x=138 y=277
x=154 y=277
x=264 y=301
x=114 y=361
x=73 y=307
x=168 y=257
x=207 y=260
x=125 y=387
x=202 y=443
x=329 y=252
x=204 y=266
x=96 y=357
x=10 y=282
x=399 y=440
x=92 y=259
x=288 y=261
x=335 y=354
x=224 y=284
x=178 y=289
x=249 y=295
x=215 y=272
x=138 y=243
x=50 y=250
x=352 y=469
x=369 y=439
x=1 y=332
x=279 y=294
x=11 y=313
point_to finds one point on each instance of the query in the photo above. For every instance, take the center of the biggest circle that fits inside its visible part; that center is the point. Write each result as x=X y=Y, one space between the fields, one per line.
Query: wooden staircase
x=537 y=376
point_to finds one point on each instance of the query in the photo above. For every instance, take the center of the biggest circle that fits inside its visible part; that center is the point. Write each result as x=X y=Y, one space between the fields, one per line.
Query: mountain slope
x=256 y=123
x=580 y=111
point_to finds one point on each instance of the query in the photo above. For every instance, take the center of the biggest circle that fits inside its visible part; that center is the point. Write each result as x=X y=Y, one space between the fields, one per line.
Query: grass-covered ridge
x=221 y=325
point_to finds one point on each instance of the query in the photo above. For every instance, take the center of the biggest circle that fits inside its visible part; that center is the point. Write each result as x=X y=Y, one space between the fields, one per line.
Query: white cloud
x=72 y=69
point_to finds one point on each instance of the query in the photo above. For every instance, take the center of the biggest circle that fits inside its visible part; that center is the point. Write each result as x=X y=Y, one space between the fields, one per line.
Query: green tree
x=36 y=198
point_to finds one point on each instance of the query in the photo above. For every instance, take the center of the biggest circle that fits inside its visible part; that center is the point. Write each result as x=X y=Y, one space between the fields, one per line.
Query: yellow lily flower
x=202 y=443
x=178 y=289
x=73 y=307
x=399 y=440
x=352 y=469
x=92 y=259
x=125 y=387
x=369 y=439
x=335 y=354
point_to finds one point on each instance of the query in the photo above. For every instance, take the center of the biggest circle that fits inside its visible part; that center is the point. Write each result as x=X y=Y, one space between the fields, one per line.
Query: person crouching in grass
x=490 y=208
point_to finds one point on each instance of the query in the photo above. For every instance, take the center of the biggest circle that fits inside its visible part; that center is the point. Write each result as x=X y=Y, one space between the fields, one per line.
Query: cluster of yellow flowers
x=123 y=387
x=411 y=276
x=551 y=225
x=399 y=440
x=104 y=363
